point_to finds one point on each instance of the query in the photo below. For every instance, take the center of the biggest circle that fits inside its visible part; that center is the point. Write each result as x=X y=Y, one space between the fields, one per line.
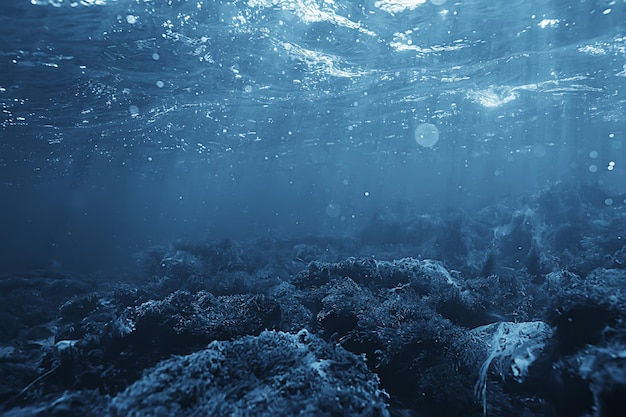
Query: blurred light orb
x=333 y=210
x=427 y=135
x=613 y=182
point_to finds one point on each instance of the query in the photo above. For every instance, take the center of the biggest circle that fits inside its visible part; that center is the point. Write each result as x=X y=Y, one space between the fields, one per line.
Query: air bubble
x=427 y=135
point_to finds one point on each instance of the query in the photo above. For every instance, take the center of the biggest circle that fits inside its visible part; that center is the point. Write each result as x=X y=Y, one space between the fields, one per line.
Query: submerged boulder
x=275 y=373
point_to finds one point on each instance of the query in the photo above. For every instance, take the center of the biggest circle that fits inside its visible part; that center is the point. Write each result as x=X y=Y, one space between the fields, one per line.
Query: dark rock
x=274 y=373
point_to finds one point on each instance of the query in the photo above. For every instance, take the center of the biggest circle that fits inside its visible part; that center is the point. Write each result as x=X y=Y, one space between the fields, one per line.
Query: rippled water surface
x=126 y=124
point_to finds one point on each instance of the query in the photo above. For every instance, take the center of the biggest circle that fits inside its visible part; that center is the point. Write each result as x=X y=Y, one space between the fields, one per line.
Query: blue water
x=127 y=124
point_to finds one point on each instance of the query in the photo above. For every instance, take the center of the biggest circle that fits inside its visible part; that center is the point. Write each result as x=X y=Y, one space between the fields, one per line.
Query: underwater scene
x=313 y=208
